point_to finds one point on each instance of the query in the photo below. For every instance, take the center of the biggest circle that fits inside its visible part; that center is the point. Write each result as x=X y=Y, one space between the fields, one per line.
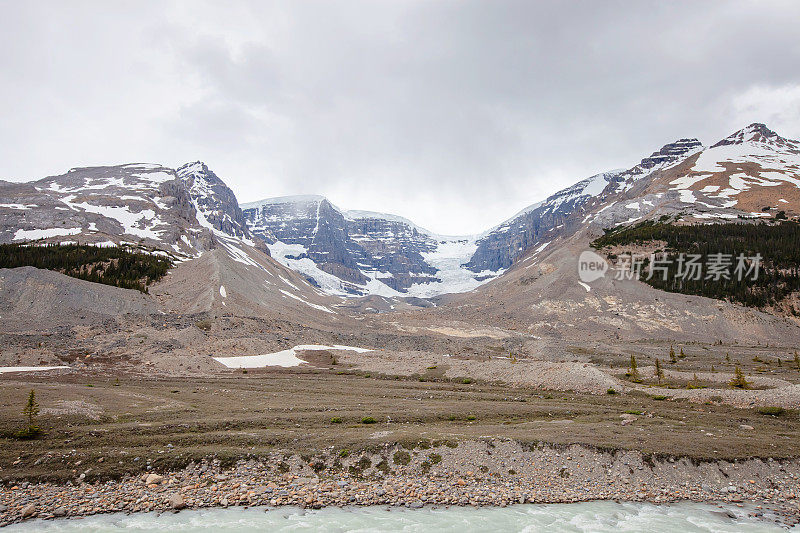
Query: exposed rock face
x=755 y=132
x=315 y=228
x=213 y=199
x=670 y=153
x=360 y=252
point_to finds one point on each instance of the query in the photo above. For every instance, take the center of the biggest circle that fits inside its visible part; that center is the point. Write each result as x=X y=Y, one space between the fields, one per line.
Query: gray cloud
x=452 y=113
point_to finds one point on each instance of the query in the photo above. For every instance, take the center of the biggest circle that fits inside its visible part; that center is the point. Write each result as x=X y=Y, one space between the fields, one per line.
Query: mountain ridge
x=358 y=252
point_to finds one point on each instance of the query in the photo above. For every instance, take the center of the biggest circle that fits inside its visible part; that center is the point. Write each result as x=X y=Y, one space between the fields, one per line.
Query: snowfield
x=5 y=369
x=34 y=234
x=284 y=358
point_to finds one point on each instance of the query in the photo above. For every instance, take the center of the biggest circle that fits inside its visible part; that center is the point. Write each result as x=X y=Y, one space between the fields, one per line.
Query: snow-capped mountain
x=361 y=252
x=498 y=249
x=188 y=214
x=753 y=172
x=136 y=203
x=502 y=245
x=145 y=204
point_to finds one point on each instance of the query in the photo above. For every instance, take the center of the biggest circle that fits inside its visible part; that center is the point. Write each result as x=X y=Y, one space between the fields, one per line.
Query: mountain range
x=753 y=173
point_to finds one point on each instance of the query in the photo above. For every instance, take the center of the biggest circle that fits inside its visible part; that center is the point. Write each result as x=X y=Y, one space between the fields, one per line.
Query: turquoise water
x=581 y=517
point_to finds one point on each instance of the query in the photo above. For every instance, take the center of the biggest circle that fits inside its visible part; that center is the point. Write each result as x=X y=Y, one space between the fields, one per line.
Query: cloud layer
x=452 y=113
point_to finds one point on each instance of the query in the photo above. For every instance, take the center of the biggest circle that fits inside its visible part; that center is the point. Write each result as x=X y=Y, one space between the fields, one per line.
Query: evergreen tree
x=777 y=244
x=31 y=411
x=672 y=358
x=634 y=371
x=739 y=381
x=659 y=371
x=118 y=266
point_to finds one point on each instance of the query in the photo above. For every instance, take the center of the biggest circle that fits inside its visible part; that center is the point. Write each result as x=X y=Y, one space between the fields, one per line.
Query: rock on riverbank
x=485 y=472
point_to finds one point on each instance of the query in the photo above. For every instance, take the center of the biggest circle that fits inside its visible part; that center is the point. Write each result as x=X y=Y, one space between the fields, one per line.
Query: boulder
x=176 y=501
x=152 y=479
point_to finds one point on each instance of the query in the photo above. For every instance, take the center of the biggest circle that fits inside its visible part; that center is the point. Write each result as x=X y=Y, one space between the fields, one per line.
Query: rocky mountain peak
x=214 y=201
x=755 y=132
x=670 y=153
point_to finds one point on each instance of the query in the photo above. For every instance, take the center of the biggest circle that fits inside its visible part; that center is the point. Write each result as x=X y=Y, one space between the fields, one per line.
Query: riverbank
x=488 y=472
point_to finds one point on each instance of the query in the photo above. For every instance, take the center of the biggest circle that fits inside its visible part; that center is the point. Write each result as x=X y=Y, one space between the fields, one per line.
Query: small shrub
x=471 y=417
x=383 y=466
x=336 y=420
x=435 y=458
x=30 y=432
x=466 y=381
x=344 y=453
x=401 y=457
x=204 y=325
x=660 y=397
x=367 y=420
x=611 y=391
x=633 y=412
x=771 y=411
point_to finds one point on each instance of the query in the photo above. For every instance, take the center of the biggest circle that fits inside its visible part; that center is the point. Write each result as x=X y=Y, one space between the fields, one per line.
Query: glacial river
x=581 y=517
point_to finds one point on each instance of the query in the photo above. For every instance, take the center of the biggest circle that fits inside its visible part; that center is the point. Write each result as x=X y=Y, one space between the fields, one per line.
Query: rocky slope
x=750 y=176
x=188 y=214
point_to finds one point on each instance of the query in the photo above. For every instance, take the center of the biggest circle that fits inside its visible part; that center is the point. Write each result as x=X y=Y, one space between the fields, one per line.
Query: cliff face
x=360 y=252
x=213 y=200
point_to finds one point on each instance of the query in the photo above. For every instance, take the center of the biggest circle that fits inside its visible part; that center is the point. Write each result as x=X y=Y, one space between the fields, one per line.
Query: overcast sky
x=455 y=114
